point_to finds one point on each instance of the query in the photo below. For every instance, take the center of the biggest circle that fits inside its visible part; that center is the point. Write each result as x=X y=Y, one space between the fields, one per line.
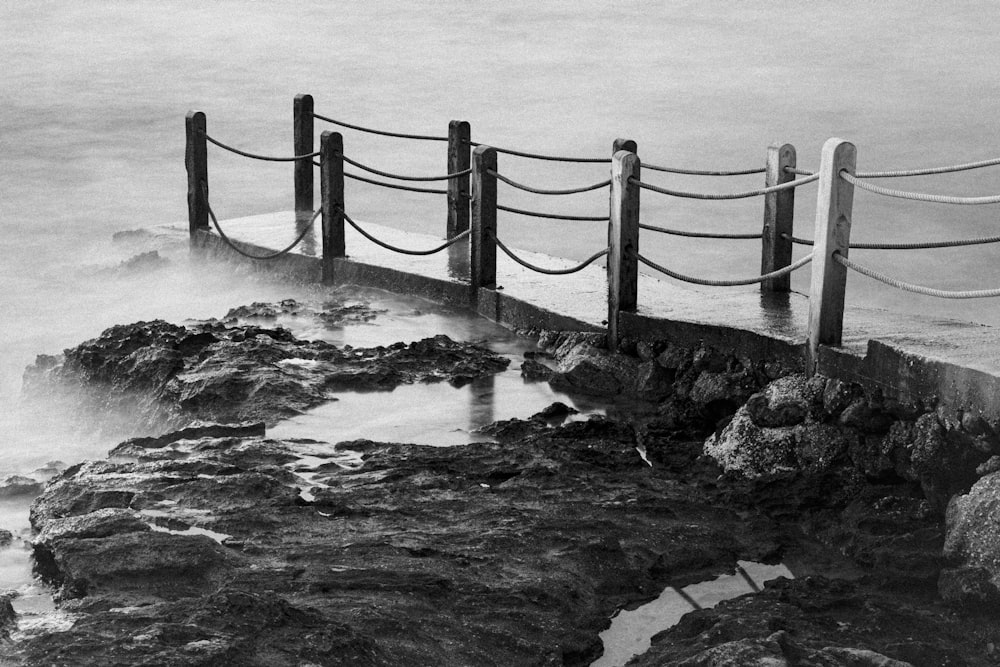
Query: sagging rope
x=551 y=158
x=800 y=172
x=736 y=195
x=931 y=170
x=273 y=255
x=404 y=251
x=700 y=172
x=917 y=245
x=539 y=191
x=398 y=135
x=726 y=283
x=554 y=216
x=549 y=272
x=700 y=235
x=255 y=156
x=910 y=287
x=386 y=174
x=394 y=186
x=918 y=196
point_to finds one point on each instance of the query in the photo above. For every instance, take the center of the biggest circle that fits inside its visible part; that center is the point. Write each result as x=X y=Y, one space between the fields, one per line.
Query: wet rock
x=557 y=410
x=991 y=465
x=166 y=376
x=972 y=524
x=6 y=538
x=534 y=371
x=968 y=586
x=99 y=523
x=19 y=485
x=744 y=447
x=944 y=462
x=782 y=403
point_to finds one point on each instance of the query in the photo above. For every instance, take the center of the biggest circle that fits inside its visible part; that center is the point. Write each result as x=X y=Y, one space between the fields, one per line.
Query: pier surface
x=910 y=358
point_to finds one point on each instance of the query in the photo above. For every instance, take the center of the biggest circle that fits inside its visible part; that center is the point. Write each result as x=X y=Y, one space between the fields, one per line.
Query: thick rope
x=393 y=186
x=551 y=158
x=916 y=289
x=925 y=245
x=554 y=216
x=273 y=255
x=727 y=283
x=422 y=137
x=548 y=272
x=404 y=251
x=387 y=174
x=737 y=195
x=699 y=172
x=931 y=170
x=254 y=156
x=918 y=196
x=800 y=172
x=700 y=235
x=539 y=191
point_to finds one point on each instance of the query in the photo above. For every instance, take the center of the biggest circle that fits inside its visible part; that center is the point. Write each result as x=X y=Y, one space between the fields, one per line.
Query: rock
x=652 y=381
x=838 y=656
x=163 y=376
x=99 y=523
x=586 y=369
x=945 y=463
x=534 y=371
x=968 y=586
x=972 y=539
x=991 y=465
x=6 y=538
x=555 y=411
x=744 y=447
x=19 y=485
x=782 y=403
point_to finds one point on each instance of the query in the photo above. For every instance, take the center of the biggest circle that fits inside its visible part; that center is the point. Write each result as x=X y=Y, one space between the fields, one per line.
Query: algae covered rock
x=972 y=523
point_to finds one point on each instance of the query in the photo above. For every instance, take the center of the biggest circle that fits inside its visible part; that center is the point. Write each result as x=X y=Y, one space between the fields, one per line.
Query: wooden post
x=779 y=212
x=623 y=262
x=483 y=249
x=618 y=144
x=196 y=162
x=833 y=234
x=459 y=159
x=332 y=191
x=302 y=119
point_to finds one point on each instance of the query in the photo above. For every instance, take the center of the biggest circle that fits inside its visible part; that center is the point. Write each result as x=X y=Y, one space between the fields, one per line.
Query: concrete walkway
x=911 y=358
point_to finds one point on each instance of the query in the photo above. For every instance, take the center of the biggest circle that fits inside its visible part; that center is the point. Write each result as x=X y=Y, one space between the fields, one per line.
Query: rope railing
x=700 y=235
x=388 y=174
x=393 y=186
x=930 y=170
x=911 y=287
x=553 y=216
x=918 y=196
x=702 y=172
x=550 y=272
x=384 y=133
x=404 y=251
x=916 y=245
x=255 y=156
x=540 y=191
x=274 y=255
x=541 y=156
x=735 y=195
x=800 y=172
x=725 y=283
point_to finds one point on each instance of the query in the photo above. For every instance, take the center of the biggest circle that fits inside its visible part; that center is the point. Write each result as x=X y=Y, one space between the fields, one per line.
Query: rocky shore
x=205 y=542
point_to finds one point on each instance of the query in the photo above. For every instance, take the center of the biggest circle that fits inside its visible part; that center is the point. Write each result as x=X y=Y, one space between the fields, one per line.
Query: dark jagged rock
x=164 y=375
x=331 y=313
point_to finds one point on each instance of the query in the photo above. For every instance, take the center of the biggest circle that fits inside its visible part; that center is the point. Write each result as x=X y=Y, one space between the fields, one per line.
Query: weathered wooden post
x=331 y=148
x=483 y=249
x=779 y=212
x=196 y=163
x=623 y=257
x=832 y=235
x=459 y=159
x=618 y=144
x=302 y=119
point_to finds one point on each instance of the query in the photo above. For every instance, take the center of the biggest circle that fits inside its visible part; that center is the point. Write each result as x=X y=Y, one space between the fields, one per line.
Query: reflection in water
x=482 y=397
x=631 y=631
